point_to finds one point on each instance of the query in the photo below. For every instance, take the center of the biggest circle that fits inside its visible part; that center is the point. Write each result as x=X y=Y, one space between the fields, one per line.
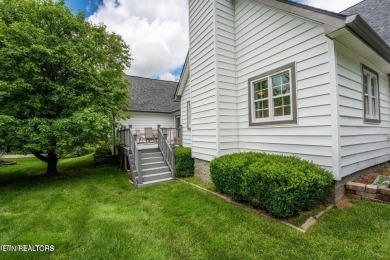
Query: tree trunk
x=51 y=159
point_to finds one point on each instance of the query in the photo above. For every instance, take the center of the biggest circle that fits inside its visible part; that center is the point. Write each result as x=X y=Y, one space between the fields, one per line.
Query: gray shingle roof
x=152 y=95
x=376 y=13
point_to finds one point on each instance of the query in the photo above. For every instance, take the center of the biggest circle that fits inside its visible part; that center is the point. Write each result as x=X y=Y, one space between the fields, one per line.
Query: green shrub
x=103 y=155
x=184 y=163
x=285 y=185
x=282 y=185
x=227 y=171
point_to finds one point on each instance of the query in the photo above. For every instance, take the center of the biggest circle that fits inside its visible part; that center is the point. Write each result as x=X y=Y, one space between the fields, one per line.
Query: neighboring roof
x=152 y=95
x=376 y=13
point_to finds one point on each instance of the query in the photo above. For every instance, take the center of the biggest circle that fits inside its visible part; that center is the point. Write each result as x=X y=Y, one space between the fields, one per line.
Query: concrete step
x=153 y=182
x=151 y=155
x=155 y=170
x=153 y=165
x=156 y=176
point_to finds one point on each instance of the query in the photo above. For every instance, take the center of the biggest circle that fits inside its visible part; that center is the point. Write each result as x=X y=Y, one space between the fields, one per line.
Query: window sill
x=276 y=122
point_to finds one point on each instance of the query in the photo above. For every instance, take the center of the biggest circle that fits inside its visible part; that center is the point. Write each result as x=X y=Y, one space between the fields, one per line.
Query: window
x=188 y=115
x=272 y=97
x=371 y=95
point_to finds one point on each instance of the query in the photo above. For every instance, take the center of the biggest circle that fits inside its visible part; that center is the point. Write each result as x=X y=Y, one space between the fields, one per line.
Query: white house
x=282 y=77
x=152 y=104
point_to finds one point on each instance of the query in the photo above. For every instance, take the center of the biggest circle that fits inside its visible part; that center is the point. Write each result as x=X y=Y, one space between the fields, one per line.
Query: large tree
x=61 y=79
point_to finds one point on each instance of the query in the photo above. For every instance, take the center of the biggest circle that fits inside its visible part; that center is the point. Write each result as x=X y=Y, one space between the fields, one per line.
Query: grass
x=196 y=181
x=95 y=213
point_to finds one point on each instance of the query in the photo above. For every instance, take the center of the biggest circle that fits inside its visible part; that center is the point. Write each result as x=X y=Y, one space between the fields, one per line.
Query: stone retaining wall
x=202 y=170
x=367 y=192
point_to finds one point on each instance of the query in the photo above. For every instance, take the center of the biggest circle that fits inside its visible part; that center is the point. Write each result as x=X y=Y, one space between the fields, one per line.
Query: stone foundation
x=367 y=192
x=202 y=170
x=339 y=186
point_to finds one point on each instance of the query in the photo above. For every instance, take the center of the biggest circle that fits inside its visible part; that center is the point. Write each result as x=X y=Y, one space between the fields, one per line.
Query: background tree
x=61 y=79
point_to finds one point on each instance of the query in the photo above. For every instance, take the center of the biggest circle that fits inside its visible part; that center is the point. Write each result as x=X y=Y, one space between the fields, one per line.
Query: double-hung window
x=272 y=97
x=371 y=95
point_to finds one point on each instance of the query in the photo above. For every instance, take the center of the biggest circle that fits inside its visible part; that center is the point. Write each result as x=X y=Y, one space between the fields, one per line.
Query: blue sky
x=88 y=6
x=157 y=30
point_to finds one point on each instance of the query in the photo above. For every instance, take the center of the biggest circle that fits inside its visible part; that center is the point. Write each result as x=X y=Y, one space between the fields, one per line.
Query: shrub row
x=282 y=185
x=184 y=163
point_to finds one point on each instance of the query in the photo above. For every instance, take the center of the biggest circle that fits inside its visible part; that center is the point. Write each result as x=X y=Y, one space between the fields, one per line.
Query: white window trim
x=291 y=119
x=369 y=117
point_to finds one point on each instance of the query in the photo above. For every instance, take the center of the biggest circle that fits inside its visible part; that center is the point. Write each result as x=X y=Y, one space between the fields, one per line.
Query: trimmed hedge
x=184 y=163
x=282 y=185
x=227 y=171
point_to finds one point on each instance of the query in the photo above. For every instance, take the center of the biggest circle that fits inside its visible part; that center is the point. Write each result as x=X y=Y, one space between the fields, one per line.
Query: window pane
x=265 y=113
x=260 y=90
x=365 y=81
x=259 y=105
x=286 y=89
x=287 y=101
x=256 y=88
x=278 y=102
x=373 y=86
x=276 y=81
x=286 y=78
x=287 y=110
x=277 y=91
x=366 y=105
x=373 y=111
x=259 y=114
x=278 y=111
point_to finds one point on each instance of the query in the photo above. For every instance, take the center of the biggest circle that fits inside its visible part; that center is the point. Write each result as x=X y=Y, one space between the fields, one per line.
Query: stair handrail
x=166 y=151
x=137 y=158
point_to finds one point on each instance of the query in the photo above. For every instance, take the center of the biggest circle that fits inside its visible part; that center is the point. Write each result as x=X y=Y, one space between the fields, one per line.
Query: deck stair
x=146 y=166
x=154 y=168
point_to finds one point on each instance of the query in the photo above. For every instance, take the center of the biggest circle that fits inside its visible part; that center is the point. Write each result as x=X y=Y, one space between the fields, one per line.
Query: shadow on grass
x=31 y=172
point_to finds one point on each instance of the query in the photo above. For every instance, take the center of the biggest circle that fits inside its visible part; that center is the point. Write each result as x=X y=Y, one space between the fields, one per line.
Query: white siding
x=362 y=144
x=266 y=39
x=226 y=78
x=203 y=79
x=140 y=120
x=187 y=139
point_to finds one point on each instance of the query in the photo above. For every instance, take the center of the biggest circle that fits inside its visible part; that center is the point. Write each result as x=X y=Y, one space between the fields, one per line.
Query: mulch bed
x=369 y=178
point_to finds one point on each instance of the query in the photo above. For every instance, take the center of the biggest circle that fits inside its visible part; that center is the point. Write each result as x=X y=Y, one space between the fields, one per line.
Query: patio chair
x=140 y=136
x=149 y=134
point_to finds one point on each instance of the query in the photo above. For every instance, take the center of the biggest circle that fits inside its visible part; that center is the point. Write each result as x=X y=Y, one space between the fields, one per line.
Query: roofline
x=151 y=78
x=352 y=6
x=177 y=97
x=332 y=21
x=312 y=8
x=361 y=29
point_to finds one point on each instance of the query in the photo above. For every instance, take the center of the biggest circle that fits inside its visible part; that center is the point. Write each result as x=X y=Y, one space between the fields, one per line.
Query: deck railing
x=174 y=136
x=166 y=151
x=126 y=137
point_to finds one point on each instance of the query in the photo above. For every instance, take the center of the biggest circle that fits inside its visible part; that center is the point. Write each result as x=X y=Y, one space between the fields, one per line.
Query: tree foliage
x=61 y=78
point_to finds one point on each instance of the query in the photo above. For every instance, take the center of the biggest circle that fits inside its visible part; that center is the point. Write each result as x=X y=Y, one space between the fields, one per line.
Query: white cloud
x=157 y=32
x=331 y=5
x=169 y=76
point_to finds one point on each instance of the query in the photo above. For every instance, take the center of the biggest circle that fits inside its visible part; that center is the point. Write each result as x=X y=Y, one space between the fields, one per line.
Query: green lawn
x=95 y=213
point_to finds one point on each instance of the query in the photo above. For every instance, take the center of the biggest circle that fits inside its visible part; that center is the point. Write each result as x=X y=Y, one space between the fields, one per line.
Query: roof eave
x=357 y=25
x=183 y=79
